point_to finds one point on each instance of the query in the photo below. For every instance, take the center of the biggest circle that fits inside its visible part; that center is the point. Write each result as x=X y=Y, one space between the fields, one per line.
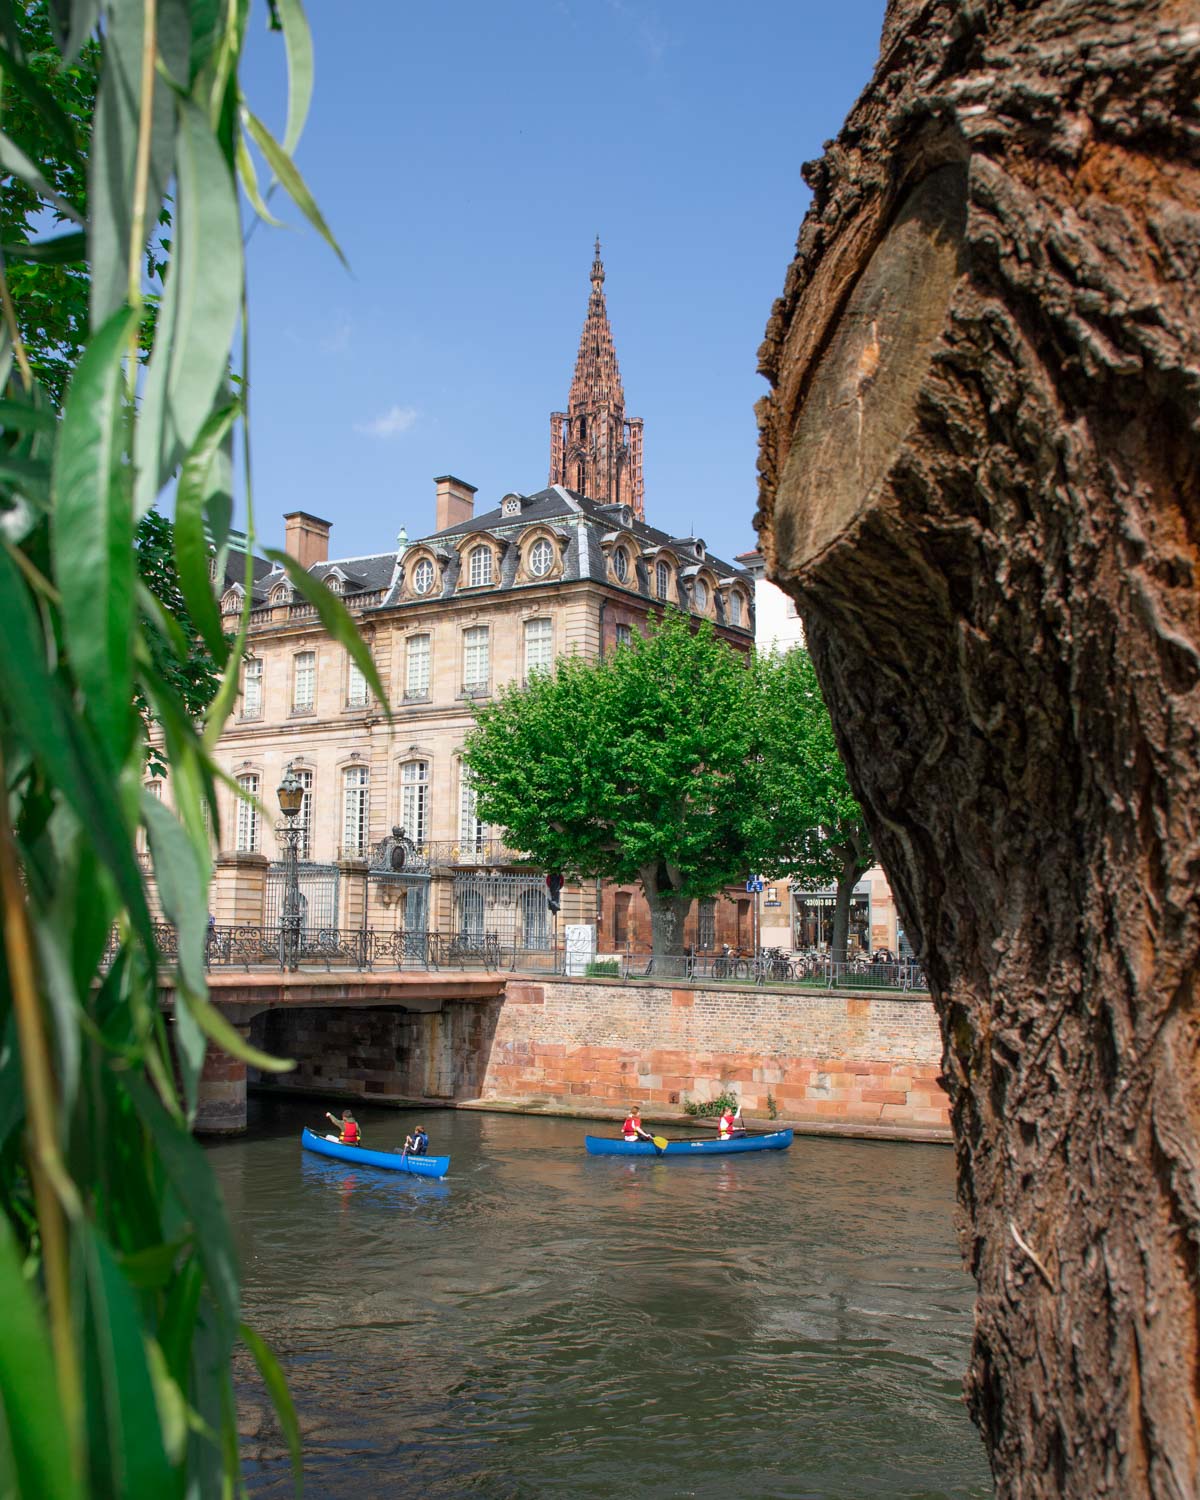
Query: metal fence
x=277 y=946
x=811 y=971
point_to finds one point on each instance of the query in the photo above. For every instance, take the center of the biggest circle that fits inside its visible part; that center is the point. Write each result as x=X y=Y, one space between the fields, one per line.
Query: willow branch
x=45 y=1166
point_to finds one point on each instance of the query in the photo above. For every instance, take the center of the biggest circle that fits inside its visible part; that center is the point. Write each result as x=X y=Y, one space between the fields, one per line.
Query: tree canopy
x=675 y=762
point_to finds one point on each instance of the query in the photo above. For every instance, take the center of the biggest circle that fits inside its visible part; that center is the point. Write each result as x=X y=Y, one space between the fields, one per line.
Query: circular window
x=422 y=577
x=700 y=595
x=541 y=558
x=620 y=565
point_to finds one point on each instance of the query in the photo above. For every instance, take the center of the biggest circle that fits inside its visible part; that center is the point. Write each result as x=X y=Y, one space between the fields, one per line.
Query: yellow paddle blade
x=660 y=1141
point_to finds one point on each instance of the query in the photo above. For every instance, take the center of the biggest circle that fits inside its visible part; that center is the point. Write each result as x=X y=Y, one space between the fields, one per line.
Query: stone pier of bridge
x=385 y=1037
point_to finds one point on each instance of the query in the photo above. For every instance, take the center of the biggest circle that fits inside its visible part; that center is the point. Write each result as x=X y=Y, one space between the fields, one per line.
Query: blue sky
x=466 y=154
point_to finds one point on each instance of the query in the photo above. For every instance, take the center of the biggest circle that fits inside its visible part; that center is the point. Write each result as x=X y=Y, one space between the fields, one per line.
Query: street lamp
x=291 y=800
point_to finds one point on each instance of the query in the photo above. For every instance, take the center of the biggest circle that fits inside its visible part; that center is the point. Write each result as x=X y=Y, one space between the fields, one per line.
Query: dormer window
x=541 y=558
x=700 y=596
x=333 y=583
x=422 y=577
x=510 y=505
x=281 y=593
x=735 y=608
x=662 y=580
x=480 y=566
x=620 y=564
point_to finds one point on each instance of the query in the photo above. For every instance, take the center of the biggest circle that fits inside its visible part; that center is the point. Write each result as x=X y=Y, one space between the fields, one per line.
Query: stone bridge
x=394 y=1037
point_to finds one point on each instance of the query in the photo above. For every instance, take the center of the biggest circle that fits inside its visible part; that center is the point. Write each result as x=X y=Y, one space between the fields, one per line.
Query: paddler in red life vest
x=633 y=1129
x=350 y=1135
x=730 y=1122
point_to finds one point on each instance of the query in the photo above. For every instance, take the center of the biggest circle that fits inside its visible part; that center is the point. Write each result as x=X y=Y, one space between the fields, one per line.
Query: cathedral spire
x=594 y=448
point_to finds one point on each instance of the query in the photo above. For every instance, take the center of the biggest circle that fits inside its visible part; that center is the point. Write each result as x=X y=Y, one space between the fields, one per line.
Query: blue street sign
x=754 y=885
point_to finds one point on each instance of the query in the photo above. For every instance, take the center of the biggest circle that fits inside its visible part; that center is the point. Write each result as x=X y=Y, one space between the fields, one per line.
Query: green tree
x=804 y=818
x=635 y=768
x=47 y=114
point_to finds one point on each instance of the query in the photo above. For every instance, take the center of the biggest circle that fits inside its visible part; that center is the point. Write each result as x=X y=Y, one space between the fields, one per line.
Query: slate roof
x=585 y=526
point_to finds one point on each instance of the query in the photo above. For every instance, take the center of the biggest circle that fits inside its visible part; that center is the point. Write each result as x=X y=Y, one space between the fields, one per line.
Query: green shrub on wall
x=710 y=1106
x=602 y=968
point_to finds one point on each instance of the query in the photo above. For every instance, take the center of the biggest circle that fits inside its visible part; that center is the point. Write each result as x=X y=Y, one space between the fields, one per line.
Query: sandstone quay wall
x=830 y=1058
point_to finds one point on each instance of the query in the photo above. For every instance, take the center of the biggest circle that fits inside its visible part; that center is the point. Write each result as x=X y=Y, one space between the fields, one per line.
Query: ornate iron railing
x=253 y=946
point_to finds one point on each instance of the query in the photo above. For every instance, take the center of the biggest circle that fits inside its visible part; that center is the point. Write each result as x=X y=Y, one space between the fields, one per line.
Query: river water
x=780 y=1326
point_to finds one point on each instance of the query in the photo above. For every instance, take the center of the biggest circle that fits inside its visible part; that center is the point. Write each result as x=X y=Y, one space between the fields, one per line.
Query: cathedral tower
x=594 y=448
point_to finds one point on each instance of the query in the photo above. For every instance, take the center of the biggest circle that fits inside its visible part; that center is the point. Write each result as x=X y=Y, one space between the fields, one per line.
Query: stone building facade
x=485 y=598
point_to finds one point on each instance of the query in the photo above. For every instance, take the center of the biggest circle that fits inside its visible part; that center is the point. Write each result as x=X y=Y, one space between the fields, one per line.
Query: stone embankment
x=861 y=1064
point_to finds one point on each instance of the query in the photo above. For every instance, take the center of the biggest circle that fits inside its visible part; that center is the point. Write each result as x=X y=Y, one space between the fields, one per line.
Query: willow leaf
x=191 y=1178
x=61 y=742
x=33 y=1419
x=249 y=180
x=199 y=309
x=120 y=1390
x=297 y=38
x=60 y=250
x=191 y=545
x=74 y=21
x=112 y=162
x=294 y=185
x=276 y=1384
x=93 y=534
x=229 y=1039
x=336 y=619
x=14 y=160
x=183 y=890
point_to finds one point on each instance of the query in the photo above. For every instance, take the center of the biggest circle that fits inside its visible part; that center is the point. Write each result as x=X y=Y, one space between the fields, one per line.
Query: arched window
x=355 y=810
x=662 y=580
x=620 y=565
x=541 y=558
x=414 y=800
x=481 y=566
x=735 y=608
x=422 y=577
x=700 y=596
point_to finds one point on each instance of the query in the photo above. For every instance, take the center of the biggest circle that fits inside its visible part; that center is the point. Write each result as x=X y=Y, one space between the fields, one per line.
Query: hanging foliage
x=118 y=1276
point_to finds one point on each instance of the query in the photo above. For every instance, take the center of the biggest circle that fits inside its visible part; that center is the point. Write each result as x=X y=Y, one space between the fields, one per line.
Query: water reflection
x=545 y=1323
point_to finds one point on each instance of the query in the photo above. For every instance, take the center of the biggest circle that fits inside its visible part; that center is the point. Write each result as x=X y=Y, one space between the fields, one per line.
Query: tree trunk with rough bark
x=668 y=910
x=847 y=880
x=980 y=481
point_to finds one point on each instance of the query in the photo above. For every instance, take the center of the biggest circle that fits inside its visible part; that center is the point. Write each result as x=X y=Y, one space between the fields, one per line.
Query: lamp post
x=291 y=800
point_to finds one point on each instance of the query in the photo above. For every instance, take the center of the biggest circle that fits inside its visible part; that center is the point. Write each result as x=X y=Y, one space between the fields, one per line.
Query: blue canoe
x=775 y=1140
x=391 y=1161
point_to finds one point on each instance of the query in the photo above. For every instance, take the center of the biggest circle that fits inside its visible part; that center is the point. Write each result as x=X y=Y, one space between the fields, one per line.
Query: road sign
x=754 y=885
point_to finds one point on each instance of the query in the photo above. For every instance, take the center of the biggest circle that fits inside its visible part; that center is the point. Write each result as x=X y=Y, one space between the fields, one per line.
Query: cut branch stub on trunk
x=981 y=481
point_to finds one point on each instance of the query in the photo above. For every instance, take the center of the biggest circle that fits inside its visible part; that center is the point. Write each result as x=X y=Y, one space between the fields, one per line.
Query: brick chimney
x=306 y=538
x=455 y=502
